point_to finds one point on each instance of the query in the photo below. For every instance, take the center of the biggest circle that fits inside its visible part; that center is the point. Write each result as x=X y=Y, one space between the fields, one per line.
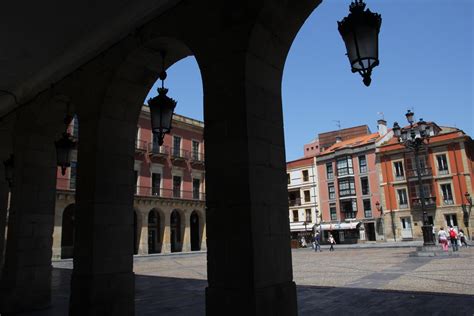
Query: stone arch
x=177 y=225
x=155 y=231
x=67 y=232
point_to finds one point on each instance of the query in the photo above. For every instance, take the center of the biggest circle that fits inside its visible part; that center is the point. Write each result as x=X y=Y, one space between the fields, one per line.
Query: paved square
x=382 y=281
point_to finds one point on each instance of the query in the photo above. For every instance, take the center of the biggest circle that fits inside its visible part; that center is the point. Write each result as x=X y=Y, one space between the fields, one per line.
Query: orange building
x=447 y=174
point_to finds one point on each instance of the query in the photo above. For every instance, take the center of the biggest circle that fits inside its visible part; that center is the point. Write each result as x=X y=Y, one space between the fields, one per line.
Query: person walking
x=332 y=242
x=316 y=242
x=462 y=238
x=443 y=239
x=453 y=236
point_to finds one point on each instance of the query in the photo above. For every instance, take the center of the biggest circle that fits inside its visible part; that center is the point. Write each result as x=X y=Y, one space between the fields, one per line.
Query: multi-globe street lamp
x=414 y=138
x=466 y=210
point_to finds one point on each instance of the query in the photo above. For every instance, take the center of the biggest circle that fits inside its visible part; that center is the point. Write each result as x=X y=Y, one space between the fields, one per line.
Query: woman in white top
x=443 y=239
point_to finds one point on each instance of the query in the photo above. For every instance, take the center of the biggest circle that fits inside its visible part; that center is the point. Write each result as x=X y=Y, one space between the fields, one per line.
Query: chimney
x=338 y=139
x=382 y=127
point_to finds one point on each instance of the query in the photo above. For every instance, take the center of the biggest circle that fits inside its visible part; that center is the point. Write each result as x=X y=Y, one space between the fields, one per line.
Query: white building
x=302 y=196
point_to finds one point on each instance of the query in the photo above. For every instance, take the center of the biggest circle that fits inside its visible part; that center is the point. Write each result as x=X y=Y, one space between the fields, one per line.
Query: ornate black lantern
x=161 y=108
x=64 y=147
x=9 y=166
x=360 y=32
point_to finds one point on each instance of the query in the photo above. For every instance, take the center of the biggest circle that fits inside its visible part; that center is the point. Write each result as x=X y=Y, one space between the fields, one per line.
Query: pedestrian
x=303 y=242
x=316 y=242
x=443 y=239
x=453 y=236
x=332 y=242
x=462 y=238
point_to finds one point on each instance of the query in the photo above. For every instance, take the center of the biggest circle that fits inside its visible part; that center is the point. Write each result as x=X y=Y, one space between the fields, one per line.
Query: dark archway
x=154 y=232
x=194 y=224
x=67 y=233
x=175 y=227
x=135 y=233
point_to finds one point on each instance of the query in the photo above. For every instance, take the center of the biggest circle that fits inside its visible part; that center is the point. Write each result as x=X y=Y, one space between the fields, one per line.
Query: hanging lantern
x=64 y=147
x=360 y=32
x=161 y=108
x=9 y=166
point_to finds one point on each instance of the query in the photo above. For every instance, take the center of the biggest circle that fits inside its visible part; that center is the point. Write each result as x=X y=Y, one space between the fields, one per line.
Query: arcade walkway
x=372 y=282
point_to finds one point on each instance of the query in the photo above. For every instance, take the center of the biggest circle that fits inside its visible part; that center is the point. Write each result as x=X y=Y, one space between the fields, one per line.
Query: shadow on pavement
x=173 y=296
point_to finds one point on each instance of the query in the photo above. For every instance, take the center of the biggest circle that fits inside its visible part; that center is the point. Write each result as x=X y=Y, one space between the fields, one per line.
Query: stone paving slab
x=347 y=282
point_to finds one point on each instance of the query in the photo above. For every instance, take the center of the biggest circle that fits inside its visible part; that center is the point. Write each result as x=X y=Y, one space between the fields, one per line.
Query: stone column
x=103 y=280
x=203 y=236
x=4 y=191
x=249 y=267
x=166 y=247
x=143 y=243
x=187 y=231
x=26 y=278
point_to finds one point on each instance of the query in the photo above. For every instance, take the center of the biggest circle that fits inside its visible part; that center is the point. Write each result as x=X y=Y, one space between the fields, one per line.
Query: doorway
x=176 y=244
x=195 y=244
x=406 y=228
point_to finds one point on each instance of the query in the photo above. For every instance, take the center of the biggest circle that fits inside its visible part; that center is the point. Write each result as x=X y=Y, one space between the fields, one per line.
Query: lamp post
x=64 y=147
x=360 y=33
x=415 y=138
x=466 y=210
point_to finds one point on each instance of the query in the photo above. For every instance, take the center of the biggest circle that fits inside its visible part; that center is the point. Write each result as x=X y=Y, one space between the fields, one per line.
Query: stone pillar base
x=279 y=299
x=432 y=251
x=103 y=294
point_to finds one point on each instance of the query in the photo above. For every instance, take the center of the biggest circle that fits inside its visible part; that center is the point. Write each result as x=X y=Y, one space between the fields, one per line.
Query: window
x=367 y=209
x=176 y=186
x=155 y=184
x=305 y=175
x=451 y=220
x=442 y=164
x=307 y=196
x=344 y=166
x=364 y=183
x=332 y=191
x=288 y=176
x=333 y=212
x=195 y=151
x=295 y=216
x=329 y=171
x=362 y=164
x=347 y=187
x=308 y=215
x=447 y=193
x=177 y=146
x=402 y=198
x=72 y=175
x=349 y=207
x=399 y=173
x=156 y=146
x=196 y=186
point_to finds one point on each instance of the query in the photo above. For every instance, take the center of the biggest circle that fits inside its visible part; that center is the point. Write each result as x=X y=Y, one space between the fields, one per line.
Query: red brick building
x=447 y=174
x=169 y=204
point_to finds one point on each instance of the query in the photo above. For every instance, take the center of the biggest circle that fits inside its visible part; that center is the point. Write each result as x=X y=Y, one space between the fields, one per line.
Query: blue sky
x=426 y=64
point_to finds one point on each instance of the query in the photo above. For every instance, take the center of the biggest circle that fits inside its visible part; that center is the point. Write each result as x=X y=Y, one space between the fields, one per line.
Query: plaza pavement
x=349 y=281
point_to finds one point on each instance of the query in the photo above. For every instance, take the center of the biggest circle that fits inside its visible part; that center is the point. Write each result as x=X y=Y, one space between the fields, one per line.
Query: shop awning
x=339 y=226
x=299 y=227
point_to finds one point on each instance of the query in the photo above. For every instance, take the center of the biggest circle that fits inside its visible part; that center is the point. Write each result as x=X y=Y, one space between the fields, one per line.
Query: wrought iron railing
x=430 y=202
x=169 y=193
x=295 y=202
x=424 y=172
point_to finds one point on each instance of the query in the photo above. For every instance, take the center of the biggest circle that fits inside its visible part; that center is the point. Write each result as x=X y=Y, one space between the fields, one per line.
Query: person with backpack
x=454 y=238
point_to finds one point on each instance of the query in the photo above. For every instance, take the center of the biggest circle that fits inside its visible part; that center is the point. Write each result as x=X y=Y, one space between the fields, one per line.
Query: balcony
x=140 y=145
x=158 y=151
x=169 y=193
x=425 y=172
x=294 y=202
x=196 y=158
x=178 y=154
x=430 y=203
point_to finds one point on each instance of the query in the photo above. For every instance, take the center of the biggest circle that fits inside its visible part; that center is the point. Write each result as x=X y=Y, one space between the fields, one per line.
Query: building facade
x=349 y=189
x=169 y=203
x=446 y=167
x=302 y=197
